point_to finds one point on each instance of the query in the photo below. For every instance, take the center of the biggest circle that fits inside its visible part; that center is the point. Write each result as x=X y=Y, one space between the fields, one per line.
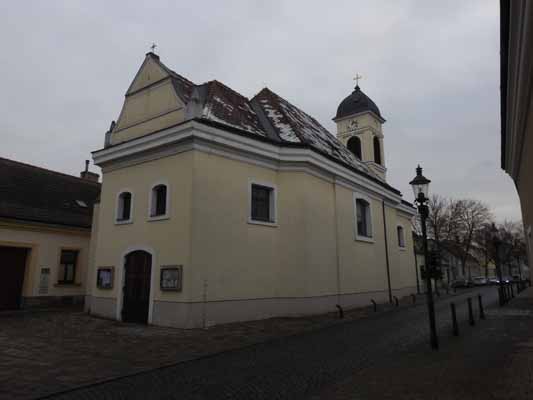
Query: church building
x=217 y=208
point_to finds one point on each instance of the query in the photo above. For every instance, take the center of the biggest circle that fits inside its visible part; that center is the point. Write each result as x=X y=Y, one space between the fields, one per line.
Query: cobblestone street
x=48 y=351
x=372 y=356
x=382 y=356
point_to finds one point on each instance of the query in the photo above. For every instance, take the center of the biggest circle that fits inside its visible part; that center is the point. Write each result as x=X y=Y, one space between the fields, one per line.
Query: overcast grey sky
x=431 y=66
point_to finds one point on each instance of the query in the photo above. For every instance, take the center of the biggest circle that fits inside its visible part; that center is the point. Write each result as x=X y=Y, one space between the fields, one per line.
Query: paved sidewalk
x=493 y=360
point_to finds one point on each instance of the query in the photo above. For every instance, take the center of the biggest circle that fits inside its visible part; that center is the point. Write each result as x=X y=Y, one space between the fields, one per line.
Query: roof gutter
x=504 y=58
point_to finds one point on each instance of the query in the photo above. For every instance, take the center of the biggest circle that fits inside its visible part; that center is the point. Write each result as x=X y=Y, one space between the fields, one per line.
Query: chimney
x=90 y=176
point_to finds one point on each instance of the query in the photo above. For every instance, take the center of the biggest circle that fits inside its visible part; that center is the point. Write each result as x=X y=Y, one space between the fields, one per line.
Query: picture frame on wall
x=105 y=277
x=171 y=278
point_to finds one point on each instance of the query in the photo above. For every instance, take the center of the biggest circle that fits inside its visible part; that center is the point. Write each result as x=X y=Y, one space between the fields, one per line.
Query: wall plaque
x=171 y=277
x=43 y=280
x=105 y=277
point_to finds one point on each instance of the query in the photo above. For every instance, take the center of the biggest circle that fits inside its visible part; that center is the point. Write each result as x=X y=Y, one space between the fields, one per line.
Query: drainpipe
x=416 y=268
x=386 y=250
x=204 y=301
x=338 y=305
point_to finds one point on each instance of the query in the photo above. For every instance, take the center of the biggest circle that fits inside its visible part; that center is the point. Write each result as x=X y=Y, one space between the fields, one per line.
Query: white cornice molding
x=193 y=135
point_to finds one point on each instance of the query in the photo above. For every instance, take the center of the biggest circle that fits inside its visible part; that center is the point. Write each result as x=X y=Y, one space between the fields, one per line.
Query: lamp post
x=420 y=186
x=496 y=242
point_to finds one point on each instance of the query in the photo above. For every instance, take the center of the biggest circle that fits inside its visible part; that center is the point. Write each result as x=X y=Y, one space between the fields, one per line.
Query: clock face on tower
x=354 y=124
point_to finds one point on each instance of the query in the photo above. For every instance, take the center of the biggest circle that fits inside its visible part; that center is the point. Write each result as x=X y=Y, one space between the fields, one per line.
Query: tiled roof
x=267 y=116
x=36 y=194
x=294 y=125
x=228 y=107
x=183 y=86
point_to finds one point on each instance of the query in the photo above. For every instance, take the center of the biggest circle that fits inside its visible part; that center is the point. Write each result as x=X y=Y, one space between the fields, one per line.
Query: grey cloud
x=431 y=66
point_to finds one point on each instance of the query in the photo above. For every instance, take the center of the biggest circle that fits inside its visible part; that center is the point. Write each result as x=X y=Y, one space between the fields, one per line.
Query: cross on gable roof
x=266 y=116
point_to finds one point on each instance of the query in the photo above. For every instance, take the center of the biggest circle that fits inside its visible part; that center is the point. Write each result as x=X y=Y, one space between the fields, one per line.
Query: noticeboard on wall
x=105 y=277
x=43 y=280
x=171 y=277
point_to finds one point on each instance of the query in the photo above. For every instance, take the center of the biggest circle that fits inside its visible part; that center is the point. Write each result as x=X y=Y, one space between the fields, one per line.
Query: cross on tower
x=356 y=79
x=152 y=47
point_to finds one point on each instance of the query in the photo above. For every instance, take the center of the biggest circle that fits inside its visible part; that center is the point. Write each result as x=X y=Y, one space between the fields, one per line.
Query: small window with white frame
x=363 y=218
x=159 y=201
x=262 y=203
x=124 y=207
x=401 y=236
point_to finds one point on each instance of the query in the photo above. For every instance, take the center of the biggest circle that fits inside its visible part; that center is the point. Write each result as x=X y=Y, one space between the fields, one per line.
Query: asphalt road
x=305 y=365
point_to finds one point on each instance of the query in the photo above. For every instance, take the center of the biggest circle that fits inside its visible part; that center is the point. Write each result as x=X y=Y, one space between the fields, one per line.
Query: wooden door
x=136 y=300
x=12 y=267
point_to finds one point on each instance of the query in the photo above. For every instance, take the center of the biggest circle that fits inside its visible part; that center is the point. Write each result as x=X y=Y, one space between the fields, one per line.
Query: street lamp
x=496 y=242
x=420 y=186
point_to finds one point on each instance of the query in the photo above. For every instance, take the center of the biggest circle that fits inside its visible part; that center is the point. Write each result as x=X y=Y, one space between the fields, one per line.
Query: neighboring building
x=450 y=262
x=216 y=208
x=45 y=226
x=516 y=70
x=486 y=264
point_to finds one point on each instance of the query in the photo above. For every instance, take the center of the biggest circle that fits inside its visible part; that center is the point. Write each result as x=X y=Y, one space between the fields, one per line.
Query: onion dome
x=356 y=103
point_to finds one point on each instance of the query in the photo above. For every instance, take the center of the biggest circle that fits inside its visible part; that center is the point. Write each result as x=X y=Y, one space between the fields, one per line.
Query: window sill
x=364 y=239
x=123 y=222
x=402 y=248
x=158 y=218
x=67 y=284
x=263 y=223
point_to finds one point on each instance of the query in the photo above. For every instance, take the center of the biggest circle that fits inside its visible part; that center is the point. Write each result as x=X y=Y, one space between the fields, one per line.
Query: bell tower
x=359 y=128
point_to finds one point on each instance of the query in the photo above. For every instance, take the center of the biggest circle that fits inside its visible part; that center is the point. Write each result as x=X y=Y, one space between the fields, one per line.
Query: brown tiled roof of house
x=267 y=116
x=294 y=125
x=34 y=194
x=182 y=85
x=226 y=106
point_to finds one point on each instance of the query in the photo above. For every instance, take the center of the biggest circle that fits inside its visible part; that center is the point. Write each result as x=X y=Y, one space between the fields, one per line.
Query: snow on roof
x=294 y=125
x=285 y=121
x=228 y=107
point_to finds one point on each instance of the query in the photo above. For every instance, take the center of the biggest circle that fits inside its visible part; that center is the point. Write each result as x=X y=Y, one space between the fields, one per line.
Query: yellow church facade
x=215 y=208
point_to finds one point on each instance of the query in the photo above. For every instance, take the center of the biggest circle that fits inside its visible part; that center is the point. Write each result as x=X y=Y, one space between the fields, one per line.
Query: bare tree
x=484 y=246
x=513 y=247
x=438 y=218
x=467 y=218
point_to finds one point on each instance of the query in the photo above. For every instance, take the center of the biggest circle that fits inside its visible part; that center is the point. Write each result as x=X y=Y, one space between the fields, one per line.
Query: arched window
x=377 y=150
x=401 y=237
x=158 y=201
x=124 y=207
x=354 y=145
x=363 y=215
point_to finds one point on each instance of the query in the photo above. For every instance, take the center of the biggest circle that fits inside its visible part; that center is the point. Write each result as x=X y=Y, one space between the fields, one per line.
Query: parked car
x=494 y=281
x=480 y=281
x=461 y=283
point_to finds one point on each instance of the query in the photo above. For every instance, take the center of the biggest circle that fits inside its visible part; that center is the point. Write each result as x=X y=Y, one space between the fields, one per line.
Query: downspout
x=386 y=250
x=337 y=256
x=416 y=267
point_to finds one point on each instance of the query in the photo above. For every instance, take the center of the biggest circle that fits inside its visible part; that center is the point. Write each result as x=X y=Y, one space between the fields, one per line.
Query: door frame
x=28 y=262
x=122 y=279
x=29 y=287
